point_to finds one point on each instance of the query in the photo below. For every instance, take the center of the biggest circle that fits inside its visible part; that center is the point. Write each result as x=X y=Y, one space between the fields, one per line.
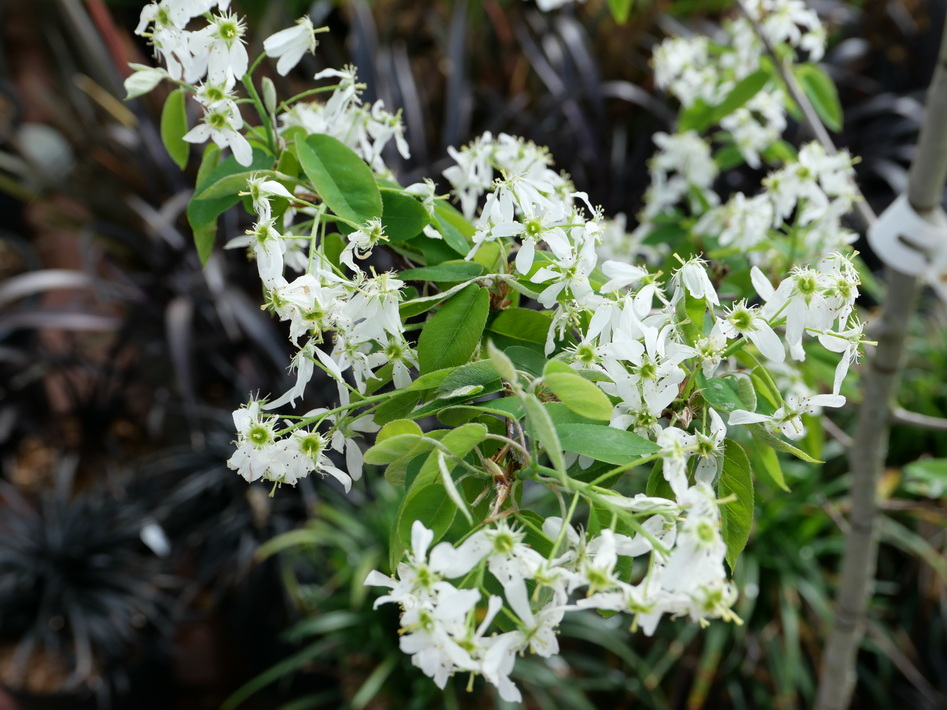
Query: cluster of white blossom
x=357 y=312
x=688 y=69
x=804 y=201
x=211 y=60
x=358 y=309
x=678 y=544
x=364 y=129
x=641 y=338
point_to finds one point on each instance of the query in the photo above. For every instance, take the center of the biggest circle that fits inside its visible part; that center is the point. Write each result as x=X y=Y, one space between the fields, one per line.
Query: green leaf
x=451 y=336
x=821 y=91
x=764 y=435
x=403 y=217
x=453 y=227
x=729 y=156
x=481 y=373
x=736 y=517
x=696 y=117
x=399 y=426
x=202 y=214
x=428 y=504
x=541 y=426
x=723 y=394
x=767 y=456
x=236 y=183
x=425 y=499
x=748 y=87
x=397 y=407
x=522 y=324
x=605 y=443
x=502 y=363
x=620 y=9
x=173 y=128
x=445 y=272
x=658 y=486
x=342 y=179
x=579 y=395
x=526 y=359
x=700 y=116
x=391 y=448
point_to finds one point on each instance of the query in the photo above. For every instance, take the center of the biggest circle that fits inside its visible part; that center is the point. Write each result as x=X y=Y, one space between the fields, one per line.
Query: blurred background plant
x=119 y=353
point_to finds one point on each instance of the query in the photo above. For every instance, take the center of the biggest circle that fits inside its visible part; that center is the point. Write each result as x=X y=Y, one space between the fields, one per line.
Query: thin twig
x=900 y=415
x=837 y=433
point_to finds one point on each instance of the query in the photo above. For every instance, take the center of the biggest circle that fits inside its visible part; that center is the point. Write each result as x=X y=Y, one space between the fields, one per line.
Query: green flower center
x=806 y=285
x=259 y=435
x=741 y=319
x=705 y=532
x=312 y=445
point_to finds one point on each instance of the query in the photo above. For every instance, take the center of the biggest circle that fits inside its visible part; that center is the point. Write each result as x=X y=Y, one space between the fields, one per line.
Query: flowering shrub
x=556 y=353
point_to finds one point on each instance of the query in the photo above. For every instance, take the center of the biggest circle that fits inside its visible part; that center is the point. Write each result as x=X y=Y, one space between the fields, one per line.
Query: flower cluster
x=676 y=357
x=443 y=634
x=210 y=60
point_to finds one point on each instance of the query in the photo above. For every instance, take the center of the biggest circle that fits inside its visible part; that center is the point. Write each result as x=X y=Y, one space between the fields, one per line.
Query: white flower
x=676 y=448
x=256 y=441
x=361 y=242
x=291 y=44
x=749 y=322
x=431 y=632
x=222 y=123
x=788 y=418
x=220 y=47
x=693 y=276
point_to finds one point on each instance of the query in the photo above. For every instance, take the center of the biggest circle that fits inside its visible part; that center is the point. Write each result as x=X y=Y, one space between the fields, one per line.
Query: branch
x=899 y=415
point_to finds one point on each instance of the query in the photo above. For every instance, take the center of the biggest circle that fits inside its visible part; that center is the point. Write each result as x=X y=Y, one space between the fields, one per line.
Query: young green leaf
x=579 y=395
x=605 y=443
x=522 y=324
x=174 y=126
x=450 y=488
x=736 y=517
x=821 y=91
x=543 y=429
x=202 y=214
x=451 y=336
x=445 y=272
x=342 y=179
x=403 y=217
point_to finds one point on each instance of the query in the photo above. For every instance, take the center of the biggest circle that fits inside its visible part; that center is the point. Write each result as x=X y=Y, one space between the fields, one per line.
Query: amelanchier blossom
x=664 y=347
x=291 y=44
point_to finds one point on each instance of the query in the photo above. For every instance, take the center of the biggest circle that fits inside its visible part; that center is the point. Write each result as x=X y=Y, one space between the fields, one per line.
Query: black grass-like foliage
x=77 y=584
